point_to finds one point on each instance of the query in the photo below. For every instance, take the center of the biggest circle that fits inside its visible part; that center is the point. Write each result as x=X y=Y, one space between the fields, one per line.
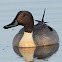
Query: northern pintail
x=32 y=35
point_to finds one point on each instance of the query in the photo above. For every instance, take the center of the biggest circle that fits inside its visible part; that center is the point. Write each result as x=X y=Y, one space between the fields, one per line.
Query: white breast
x=27 y=40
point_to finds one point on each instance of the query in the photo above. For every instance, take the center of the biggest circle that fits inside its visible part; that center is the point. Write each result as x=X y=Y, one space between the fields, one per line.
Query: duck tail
x=42 y=21
x=43 y=16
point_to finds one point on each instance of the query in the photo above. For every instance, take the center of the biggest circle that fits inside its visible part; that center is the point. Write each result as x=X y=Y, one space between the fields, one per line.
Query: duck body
x=32 y=35
x=42 y=35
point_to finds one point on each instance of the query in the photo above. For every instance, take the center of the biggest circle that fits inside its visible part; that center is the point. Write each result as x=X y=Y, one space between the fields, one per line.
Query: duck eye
x=24 y=15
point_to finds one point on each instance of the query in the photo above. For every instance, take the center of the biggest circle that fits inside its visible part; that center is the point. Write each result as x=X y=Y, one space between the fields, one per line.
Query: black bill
x=13 y=24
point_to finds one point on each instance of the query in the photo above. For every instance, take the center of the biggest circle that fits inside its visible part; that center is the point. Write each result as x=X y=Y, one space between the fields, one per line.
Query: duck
x=32 y=35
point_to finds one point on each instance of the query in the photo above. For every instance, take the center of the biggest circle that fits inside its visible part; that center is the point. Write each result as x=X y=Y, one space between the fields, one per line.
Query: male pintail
x=32 y=35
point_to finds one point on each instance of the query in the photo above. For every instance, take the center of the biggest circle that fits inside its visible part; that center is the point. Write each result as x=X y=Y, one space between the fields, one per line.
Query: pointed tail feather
x=42 y=21
x=43 y=16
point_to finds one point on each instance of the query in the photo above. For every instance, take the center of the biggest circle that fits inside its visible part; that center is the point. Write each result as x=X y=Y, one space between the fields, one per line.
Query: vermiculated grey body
x=42 y=35
x=37 y=35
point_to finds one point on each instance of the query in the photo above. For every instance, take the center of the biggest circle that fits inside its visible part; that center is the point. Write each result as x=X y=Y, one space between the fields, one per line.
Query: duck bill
x=13 y=24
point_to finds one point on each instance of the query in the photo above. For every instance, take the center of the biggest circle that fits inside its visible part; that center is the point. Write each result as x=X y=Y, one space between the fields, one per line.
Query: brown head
x=23 y=18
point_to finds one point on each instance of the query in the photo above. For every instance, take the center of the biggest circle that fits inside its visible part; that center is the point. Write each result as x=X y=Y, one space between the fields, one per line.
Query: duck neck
x=29 y=27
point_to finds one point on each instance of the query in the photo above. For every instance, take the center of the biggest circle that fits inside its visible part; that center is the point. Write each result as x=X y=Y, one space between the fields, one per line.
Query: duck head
x=23 y=18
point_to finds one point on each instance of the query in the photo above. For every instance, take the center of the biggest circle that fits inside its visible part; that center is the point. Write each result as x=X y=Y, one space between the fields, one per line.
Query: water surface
x=8 y=11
